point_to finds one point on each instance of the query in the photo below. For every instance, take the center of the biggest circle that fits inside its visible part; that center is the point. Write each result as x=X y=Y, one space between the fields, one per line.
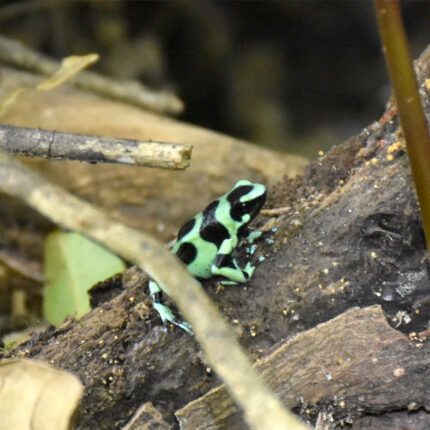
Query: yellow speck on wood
x=394 y=147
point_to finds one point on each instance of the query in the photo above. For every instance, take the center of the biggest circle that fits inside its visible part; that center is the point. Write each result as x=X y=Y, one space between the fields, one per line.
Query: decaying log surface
x=351 y=238
x=147 y=417
x=417 y=420
x=333 y=366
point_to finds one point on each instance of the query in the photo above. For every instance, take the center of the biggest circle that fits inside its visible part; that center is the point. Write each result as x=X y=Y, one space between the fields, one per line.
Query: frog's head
x=246 y=200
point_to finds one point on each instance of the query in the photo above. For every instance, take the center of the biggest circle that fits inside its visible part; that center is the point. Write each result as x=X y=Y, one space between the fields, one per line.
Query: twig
x=93 y=149
x=14 y=52
x=261 y=408
x=275 y=211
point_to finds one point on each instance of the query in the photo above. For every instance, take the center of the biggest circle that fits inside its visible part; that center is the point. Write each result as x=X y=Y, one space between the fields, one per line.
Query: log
x=334 y=367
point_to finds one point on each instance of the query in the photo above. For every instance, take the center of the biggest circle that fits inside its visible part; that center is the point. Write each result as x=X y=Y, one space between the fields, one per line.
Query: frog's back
x=193 y=250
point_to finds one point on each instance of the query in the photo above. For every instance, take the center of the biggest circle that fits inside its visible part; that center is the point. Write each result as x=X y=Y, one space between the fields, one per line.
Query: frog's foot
x=183 y=325
x=164 y=311
x=224 y=282
x=168 y=317
x=249 y=269
x=269 y=236
x=253 y=236
x=233 y=273
x=250 y=250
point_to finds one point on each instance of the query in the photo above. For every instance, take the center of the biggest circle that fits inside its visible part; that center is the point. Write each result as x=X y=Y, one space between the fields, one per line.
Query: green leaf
x=73 y=264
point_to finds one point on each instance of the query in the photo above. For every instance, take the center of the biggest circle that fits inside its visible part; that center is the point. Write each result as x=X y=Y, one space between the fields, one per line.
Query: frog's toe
x=168 y=317
x=249 y=269
x=183 y=325
x=250 y=250
x=253 y=236
x=268 y=235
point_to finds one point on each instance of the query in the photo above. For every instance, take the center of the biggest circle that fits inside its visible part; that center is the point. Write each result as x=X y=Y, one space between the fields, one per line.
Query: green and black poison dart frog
x=205 y=243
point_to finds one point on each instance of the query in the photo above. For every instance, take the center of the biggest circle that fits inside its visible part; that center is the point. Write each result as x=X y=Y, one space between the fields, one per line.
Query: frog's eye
x=245 y=207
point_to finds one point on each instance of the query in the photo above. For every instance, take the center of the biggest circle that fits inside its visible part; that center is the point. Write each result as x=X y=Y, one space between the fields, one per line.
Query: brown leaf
x=70 y=67
x=36 y=396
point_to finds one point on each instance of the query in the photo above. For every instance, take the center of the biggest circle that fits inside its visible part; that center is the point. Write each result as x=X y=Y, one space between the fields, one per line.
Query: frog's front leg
x=253 y=235
x=231 y=270
x=164 y=311
x=225 y=265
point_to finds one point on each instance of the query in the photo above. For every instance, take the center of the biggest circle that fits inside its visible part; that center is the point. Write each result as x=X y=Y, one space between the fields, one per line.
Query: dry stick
x=14 y=52
x=276 y=211
x=262 y=410
x=93 y=149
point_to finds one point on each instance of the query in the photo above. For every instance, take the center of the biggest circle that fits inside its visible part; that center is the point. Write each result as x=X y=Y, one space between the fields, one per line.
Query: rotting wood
x=337 y=363
x=147 y=417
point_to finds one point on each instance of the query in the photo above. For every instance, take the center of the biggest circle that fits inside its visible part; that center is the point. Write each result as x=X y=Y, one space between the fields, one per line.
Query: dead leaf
x=69 y=68
x=36 y=396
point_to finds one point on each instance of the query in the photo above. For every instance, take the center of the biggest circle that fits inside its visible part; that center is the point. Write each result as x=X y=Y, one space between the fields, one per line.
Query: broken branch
x=93 y=149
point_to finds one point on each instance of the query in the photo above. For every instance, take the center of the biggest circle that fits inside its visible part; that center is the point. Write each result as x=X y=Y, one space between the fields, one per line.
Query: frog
x=206 y=242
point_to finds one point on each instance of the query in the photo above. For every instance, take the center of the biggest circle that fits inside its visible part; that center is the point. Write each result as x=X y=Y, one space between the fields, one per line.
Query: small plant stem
x=412 y=117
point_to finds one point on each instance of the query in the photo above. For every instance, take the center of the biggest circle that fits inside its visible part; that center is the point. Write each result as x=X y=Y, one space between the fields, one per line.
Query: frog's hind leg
x=164 y=311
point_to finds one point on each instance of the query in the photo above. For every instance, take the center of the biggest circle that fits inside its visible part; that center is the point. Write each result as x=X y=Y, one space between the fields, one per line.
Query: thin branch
x=15 y=53
x=412 y=117
x=276 y=211
x=261 y=408
x=93 y=149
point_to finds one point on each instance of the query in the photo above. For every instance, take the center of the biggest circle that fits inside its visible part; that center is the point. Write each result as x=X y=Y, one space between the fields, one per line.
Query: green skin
x=210 y=259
